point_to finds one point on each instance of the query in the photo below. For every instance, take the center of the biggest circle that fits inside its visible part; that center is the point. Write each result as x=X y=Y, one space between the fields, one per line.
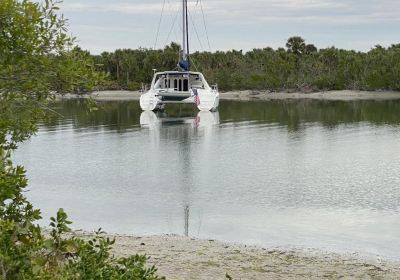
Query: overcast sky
x=102 y=25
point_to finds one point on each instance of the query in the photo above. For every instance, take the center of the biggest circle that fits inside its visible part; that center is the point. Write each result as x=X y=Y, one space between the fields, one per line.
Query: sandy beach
x=252 y=95
x=179 y=257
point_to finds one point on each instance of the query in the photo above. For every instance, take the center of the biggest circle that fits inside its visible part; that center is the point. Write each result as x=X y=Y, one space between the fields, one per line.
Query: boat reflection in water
x=190 y=134
x=151 y=120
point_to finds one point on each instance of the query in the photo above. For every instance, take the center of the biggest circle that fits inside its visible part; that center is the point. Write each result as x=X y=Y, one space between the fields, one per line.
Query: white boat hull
x=208 y=100
x=149 y=101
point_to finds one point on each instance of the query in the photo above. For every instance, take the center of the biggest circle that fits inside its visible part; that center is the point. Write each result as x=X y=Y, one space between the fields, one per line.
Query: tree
x=310 y=48
x=299 y=67
x=296 y=45
x=37 y=57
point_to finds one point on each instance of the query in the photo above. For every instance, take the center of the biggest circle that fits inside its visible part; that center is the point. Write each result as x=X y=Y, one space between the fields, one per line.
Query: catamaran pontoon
x=183 y=86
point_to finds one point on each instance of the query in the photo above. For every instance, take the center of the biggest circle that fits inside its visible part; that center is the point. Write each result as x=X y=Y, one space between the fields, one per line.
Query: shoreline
x=179 y=257
x=252 y=95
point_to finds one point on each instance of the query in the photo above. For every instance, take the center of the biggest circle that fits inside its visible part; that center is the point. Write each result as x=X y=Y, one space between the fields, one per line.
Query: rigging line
x=177 y=11
x=194 y=64
x=195 y=30
x=205 y=25
x=195 y=8
x=171 y=6
x=172 y=27
x=159 y=24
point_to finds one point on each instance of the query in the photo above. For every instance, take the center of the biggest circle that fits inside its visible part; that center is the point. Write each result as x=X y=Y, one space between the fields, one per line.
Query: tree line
x=297 y=67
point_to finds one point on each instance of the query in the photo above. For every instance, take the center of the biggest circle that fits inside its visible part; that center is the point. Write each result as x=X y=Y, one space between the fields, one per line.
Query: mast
x=187 y=37
x=185 y=59
x=184 y=6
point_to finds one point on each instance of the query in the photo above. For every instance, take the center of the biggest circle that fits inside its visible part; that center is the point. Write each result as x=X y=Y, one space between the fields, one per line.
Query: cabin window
x=180 y=85
x=185 y=85
x=175 y=84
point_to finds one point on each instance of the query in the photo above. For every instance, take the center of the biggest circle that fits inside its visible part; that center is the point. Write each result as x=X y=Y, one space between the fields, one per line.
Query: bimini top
x=178 y=73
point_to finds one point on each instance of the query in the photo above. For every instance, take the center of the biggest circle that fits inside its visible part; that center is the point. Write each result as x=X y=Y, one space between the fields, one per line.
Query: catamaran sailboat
x=182 y=86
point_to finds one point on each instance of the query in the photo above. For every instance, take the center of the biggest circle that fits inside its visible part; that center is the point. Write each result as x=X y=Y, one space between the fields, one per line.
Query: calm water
x=284 y=173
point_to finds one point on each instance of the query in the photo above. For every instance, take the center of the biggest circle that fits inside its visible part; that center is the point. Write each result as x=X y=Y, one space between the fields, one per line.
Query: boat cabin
x=178 y=82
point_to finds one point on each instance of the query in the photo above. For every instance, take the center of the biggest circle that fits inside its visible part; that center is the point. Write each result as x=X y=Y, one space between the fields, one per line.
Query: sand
x=323 y=95
x=179 y=257
x=249 y=95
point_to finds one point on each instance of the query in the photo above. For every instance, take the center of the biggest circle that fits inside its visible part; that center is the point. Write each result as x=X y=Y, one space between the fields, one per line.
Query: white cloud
x=280 y=4
x=123 y=23
x=125 y=8
x=319 y=11
x=316 y=11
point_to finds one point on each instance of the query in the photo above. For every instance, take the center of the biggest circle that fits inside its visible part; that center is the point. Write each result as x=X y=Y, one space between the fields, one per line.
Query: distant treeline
x=298 y=67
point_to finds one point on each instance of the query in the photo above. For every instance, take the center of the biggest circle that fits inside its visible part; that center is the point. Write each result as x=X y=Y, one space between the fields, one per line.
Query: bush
x=135 y=86
x=36 y=58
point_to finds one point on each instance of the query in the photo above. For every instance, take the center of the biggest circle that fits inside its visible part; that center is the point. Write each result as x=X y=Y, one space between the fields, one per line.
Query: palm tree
x=296 y=45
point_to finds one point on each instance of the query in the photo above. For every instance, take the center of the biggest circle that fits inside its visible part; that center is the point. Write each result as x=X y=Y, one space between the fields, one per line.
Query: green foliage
x=133 y=86
x=296 y=45
x=95 y=262
x=37 y=58
x=76 y=72
x=299 y=67
x=36 y=54
x=310 y=48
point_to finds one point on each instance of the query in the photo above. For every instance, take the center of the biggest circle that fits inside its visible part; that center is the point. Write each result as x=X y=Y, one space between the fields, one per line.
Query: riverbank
x=251 y=95
x=178 y=257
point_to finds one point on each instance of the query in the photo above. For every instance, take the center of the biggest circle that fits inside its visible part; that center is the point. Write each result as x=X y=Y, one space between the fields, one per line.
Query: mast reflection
x=185 y=128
